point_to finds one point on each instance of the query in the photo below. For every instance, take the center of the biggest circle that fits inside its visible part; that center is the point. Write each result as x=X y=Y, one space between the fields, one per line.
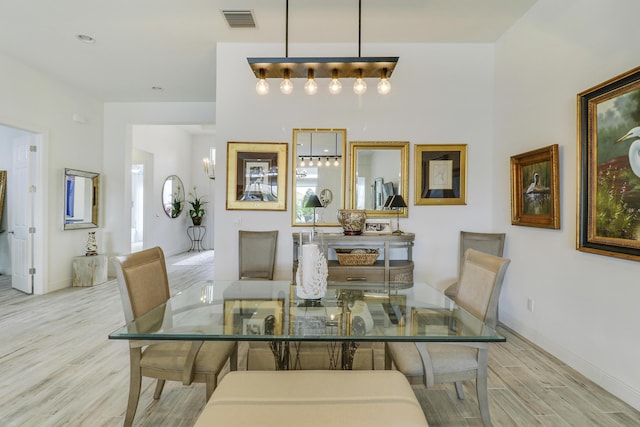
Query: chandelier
x=311 y=68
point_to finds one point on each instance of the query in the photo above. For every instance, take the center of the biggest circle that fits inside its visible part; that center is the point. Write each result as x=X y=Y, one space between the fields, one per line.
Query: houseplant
x=197 y=210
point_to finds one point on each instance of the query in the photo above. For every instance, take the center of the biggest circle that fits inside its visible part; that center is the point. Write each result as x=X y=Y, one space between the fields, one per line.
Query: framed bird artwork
x=535 y=188
x=609 y=167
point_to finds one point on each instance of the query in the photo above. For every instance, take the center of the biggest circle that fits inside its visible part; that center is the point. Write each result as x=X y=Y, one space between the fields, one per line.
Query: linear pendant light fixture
x=334 y=68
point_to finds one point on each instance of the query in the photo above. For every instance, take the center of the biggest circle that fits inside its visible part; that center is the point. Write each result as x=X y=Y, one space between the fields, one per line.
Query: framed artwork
x=609 y=167
x=257 y=176
x=440 y=174
x=253 y=316
x=535 y=188
x=377 y=226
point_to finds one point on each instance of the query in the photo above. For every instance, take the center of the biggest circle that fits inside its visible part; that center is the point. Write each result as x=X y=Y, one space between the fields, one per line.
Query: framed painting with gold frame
x=440 y=174
x=535 y=188
x=257 y=176
x=609 y=167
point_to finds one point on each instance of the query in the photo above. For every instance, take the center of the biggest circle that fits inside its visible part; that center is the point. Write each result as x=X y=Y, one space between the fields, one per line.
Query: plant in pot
x=197 y=210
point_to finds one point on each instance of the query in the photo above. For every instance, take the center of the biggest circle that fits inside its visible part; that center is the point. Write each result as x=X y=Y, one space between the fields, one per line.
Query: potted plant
x=197 y=210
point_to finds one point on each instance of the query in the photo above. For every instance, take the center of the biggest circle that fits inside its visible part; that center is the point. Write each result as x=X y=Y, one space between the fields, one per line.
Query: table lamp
x=396 y=202
x=313 y=202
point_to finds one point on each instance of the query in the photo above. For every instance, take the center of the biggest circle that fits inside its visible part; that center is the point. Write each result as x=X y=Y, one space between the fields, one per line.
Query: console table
x=394 y=264
x=196 y=234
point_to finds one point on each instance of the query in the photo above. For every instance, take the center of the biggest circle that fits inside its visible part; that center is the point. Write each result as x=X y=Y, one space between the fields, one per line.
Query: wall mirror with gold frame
x=81 y=199
x=379 y=169
x=318 y=169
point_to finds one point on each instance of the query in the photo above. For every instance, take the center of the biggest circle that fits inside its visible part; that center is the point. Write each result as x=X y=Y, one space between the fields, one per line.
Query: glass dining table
x=270 y=311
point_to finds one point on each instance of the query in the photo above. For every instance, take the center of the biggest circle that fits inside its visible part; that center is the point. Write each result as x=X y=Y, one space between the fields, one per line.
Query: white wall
x=585 y=305
x=200 y=148
x=441 y=94
x=171 y=150
x=37 y=103
x=119 y=119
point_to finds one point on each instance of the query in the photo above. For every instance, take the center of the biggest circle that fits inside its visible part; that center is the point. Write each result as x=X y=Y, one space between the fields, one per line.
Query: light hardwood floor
x=57 y=368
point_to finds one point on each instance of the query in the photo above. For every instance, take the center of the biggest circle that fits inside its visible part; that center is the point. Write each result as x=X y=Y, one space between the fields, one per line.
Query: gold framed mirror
x=81 y=198
x=379 y=169
x=318 y=160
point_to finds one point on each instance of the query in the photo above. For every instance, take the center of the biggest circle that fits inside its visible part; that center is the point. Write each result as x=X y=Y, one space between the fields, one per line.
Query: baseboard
x=613 y=385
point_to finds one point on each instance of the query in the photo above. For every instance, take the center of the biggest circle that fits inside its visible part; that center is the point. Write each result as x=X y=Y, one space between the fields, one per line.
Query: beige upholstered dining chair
x=257 y=254
x=143 y=283
x=256 y=261
x=429 y=364
x=490 y=243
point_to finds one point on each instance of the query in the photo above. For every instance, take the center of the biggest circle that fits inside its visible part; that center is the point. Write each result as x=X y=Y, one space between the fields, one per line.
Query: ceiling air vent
x=239 y=18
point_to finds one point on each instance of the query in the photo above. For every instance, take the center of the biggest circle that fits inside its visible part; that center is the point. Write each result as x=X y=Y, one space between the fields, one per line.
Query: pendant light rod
x=286 y=31
x=359 y=26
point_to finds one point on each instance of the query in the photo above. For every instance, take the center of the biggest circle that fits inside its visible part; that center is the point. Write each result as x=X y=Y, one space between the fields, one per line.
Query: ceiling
x=171 y=44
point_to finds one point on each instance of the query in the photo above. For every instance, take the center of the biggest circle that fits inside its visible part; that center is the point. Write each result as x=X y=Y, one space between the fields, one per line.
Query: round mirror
x=173 y=196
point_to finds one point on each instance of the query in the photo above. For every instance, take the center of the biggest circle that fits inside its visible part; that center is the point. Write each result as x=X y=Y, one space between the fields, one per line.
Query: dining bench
x=313 y=398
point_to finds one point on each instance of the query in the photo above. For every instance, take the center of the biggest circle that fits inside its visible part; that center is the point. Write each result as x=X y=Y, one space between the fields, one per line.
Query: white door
x=21 y=218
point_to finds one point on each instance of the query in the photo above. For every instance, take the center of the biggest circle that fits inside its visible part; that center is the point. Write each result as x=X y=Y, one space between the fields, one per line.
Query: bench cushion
x=313 y=398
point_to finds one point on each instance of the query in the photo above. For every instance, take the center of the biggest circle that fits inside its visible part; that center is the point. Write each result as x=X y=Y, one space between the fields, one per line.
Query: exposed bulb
x=302 y=164
x=310 y=87
x=360 y=86
x=327 y=163
x=311 y=162
x=336 y=162
x=286 y=86
x=384 y=87
x=335 y=87
x=262 y=87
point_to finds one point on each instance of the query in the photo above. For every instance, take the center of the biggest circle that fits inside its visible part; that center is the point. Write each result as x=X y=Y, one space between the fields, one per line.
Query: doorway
x=137 y=207
x=141 y=178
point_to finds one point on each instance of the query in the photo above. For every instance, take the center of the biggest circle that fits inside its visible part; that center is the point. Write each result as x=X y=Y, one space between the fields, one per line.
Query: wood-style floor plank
x=57 y=368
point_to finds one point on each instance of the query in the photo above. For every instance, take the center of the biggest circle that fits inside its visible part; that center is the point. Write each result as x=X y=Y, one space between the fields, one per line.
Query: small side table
x=89 y=270
x=196 y=234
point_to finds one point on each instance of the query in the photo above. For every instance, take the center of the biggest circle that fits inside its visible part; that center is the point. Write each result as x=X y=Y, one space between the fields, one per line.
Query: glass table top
x=255 y=310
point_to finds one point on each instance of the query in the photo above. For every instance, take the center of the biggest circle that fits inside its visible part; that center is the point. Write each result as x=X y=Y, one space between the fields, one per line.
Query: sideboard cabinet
x=394 y=263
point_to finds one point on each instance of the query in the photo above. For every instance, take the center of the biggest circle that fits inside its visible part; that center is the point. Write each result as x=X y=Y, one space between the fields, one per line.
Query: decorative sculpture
x=311 y=277
x=92 y=247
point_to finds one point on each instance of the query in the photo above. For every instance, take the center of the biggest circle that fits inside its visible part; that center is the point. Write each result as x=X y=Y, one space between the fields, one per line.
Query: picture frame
x=377 y=226
x=253 y=316
x=440 y=174
x=609 y=167
x=535 y=188
x=257 y=176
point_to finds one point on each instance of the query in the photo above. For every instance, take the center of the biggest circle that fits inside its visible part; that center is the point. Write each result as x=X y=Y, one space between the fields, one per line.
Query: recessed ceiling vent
x=239 y=18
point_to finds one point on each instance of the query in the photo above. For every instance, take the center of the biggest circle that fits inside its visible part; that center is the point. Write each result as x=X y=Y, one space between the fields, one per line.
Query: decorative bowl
x=352 y=221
